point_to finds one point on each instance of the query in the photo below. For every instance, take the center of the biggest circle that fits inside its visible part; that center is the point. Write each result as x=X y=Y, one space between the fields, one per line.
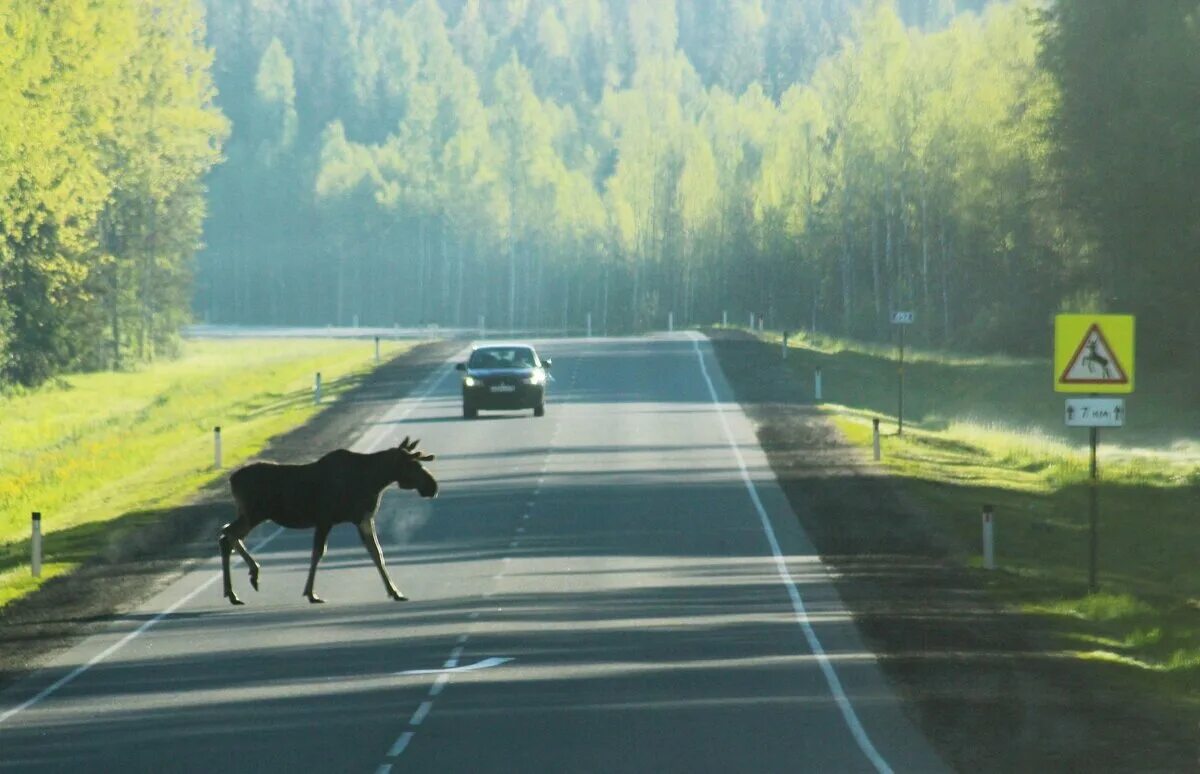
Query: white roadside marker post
x=376 y=350
x=35 y=545
x=670 y=322
x=875 y=422
x=589 y=325
x=989 y=539
x=724 y=317
x=317 y=388
x=752 y=321
x=785 y=338
x=482 y=326
x=817 y=386
x=217 y=447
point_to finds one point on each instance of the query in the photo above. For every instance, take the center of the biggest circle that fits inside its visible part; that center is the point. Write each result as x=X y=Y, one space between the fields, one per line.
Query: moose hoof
x=398 y=597
x=254 y=580
x=233 y=600
x=314 y=599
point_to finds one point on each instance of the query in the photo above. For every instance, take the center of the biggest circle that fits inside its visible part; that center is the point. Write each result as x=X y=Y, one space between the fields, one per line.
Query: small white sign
x=902 y=318
x=1095 y=412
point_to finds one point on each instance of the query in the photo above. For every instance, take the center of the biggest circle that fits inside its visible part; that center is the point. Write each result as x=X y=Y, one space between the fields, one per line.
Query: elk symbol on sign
x=1093 y=358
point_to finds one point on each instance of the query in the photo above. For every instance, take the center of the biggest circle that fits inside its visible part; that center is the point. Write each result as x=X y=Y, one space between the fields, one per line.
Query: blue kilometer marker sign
x=1095 y=412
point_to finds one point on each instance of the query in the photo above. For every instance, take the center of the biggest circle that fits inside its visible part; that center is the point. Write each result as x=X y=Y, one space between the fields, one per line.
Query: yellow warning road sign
x=1093 y=353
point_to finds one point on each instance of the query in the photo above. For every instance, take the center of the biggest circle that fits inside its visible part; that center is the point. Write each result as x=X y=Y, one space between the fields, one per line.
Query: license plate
x=504 y=388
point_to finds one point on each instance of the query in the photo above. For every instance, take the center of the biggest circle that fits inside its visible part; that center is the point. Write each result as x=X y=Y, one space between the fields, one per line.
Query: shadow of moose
x=343 y=487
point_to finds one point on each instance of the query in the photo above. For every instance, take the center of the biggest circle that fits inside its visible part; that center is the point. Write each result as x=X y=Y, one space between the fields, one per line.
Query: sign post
x=1094 y=354
x=989 y=539
x=35 y=546
x=902 y=319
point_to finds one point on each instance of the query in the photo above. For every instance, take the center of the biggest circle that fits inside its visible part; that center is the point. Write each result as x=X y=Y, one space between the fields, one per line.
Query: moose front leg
x=366 y=531
x=320 y=536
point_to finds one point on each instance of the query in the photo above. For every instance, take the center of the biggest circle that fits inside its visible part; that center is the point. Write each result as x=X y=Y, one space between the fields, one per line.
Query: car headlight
x=537 y=377
x=469 y=381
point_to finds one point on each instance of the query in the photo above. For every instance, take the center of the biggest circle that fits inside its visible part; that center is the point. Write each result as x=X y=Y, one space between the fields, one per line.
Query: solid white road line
x=831 y=677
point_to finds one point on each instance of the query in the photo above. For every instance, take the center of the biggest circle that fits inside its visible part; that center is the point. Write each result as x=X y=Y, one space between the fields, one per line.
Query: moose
x=1095 y=358
x=341 y=487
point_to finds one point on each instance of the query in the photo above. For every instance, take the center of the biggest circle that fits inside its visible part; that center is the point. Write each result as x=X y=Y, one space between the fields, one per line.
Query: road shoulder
x=978 y=680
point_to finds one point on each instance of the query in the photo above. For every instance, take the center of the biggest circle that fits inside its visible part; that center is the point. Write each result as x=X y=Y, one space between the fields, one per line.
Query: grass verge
x=95 y=450
x=989 y=430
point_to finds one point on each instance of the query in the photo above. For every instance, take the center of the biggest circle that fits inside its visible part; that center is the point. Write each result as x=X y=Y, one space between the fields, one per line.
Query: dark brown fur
x=343 y=487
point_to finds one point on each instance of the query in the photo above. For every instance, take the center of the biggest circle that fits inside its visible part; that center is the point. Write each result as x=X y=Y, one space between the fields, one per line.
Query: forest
x=820 y=164
x=107 y=129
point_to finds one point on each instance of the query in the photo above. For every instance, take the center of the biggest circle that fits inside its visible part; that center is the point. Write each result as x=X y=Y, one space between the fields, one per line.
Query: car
x=504 y=376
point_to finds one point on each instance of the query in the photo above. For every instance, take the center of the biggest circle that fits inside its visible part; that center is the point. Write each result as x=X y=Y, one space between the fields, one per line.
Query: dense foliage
x=409 y=161
x=1126 y=139
x=106 y=130
x=821 y=164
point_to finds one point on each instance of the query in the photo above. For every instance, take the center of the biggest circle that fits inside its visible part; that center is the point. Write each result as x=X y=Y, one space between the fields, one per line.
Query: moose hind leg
x=240 y=547
x=226 y=547
x=320 y=536
x=366 y=531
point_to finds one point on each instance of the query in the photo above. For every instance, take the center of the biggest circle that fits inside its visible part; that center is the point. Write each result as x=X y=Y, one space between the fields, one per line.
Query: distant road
x=618 y=586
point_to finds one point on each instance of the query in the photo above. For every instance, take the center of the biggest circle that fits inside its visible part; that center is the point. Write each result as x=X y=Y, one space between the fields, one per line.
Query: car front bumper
x=524 y=396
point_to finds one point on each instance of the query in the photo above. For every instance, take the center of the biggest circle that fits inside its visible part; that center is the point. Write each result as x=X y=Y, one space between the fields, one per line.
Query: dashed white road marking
x=452 y=663
x=399 y=746
x=421 y=713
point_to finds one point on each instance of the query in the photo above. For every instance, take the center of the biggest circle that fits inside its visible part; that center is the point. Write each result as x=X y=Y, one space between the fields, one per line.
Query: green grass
x=97 y=450
x=989 y=430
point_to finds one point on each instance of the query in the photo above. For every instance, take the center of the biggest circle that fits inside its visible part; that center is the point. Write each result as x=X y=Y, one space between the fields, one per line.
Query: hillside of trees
x=821 y=164
x=107 y=128
x=984 y=164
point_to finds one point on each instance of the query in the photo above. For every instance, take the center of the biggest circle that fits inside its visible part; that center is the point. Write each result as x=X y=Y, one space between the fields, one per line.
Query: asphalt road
x=618 y=586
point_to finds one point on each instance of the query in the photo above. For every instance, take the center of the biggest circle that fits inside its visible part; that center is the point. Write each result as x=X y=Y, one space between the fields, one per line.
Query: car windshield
x=503 y=357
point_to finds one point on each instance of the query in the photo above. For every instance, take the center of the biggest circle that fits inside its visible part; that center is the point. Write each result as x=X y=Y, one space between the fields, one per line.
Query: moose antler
x=409 y=447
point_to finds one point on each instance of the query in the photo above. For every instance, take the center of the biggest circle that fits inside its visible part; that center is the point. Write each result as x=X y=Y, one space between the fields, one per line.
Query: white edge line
x=831 y=677
x=111 y=649
x=437 y=378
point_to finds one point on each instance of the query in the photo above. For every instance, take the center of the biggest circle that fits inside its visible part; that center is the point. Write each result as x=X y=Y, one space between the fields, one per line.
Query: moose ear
x=427 y=457
x=412 y=445
x=404 y=443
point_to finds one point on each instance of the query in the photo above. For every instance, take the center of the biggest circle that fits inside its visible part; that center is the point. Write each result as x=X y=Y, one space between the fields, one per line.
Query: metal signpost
x=1093 y=353
x=902 y=319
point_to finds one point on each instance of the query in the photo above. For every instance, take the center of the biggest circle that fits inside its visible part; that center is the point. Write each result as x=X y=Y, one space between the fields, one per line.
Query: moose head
x=411 y=474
